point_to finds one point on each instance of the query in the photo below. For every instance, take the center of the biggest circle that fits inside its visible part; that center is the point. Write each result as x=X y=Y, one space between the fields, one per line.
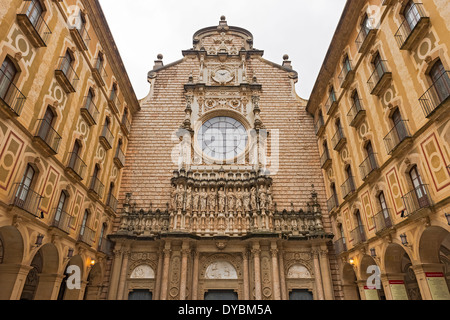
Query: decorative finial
x=160 y=56
x=223 y=18
x=286 y=57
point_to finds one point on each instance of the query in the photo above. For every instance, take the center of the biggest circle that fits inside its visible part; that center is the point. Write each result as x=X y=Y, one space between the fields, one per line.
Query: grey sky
x=301 y=28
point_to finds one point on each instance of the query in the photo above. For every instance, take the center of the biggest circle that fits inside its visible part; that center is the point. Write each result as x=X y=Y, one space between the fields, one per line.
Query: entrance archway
x=64 y=292
x=366 y=263
x=11 y=256
x=349 y=280
x=94 y=283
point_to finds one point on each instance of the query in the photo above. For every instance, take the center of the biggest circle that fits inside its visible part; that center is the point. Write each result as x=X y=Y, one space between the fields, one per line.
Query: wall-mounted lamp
x=404 y=239
x=448 y=218
x=70 y=253
x=39 y=239
x=373 y=253
x=352 y=261
x=92 y=263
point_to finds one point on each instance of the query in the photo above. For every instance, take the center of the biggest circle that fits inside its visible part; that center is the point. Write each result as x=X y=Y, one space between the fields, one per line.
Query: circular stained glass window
x=222 y=138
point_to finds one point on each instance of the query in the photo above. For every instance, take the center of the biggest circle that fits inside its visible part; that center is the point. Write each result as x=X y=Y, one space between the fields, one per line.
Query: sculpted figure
x=222 y=199
x=230 y=200
x=195 y=200
x=253 y=198
x=239 y=200
x=180 y=197
x=173 y=199
x=212 y=199
x=269 y=200
x=189 y=198
x=246 y=200
x=262 y=198
x=203 y=200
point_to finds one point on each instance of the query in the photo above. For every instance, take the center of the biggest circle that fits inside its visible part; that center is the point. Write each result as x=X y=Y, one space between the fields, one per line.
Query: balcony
x=80 y=37
x=347 y=75
x=332 y=203
x=75 y=167
x=319 y=126
x=325 y=160
x=26 y=199
x=380 y=79
x=99 y=73
x=413 y=29
x=331 y=104
x=11 y=99
x=111 y=203
x=89 y=111
x=365 y=39
x=125 y=125
x=339 y=140
x=416 y=200
x=348 y=187
x=62 y=220
x=106 y=138
x=356 y=114
x=369 y=166
x=33 y=26
x=46 y=137
x=96 y=188
x=397 y=137
x=383 y=220
x=358 y=235
x=66 y=75
x=437 y=96
x=119 y=159
x=114 y=102
x=340 y=246
x=87 y=236
x=105 y=246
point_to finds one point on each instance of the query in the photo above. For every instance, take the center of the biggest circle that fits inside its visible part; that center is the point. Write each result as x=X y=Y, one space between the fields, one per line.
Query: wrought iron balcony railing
x=412 y=27
x=62 y=220
x=346 y=74
x=106 y=138
x=325 y=159
x=348 y=187
x=332 y=203
x=119 y=158
x=96 y=186
x=11 y=99
x=358 y=235
x=89 y=111
x=111 y=202
x=87 y=236
x=105 y=246
x=356 y=113
x=319 y=126
x=383 y=220
x=33 y=25
x=66 y=75
x=437 y=95
x=26 y=199
x=368 y=166
x=380 y=78
x=340 y=246
x=338 y=139
x=396 y=136
x=76 y=166
x=99 y=72
x=81 y=37
x=114 y=101
x=365 y=38
x=331 y=103
x=47 y=136
x=417 y=199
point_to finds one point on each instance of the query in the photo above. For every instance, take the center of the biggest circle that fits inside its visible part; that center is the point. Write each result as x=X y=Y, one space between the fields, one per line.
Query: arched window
x=113 y=92
x=360 y=229
x=399 y=125
x=102 y=234
x=34 y=12
x=84 y=222
x=441 y=80
x=75 y=154
x=46 y=126
x=25 y=187
x=386 y=219
x=346 y=64
x=366 y=25
x=7 y=77
x=411 y=14
x=419 y=187
x=100 y=62
x=60 y=208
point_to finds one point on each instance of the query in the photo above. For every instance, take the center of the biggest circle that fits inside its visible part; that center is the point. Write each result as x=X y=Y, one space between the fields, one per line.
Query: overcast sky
x=300 y=28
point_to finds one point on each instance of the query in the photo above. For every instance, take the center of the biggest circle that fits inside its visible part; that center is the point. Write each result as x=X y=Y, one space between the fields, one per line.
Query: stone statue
x=253 y=198
x=230 y=200
x=239 y=200
x=262 y=198
x=180 y=197
x=222 y=199
x=189 y=198
x=269 y=200
x=212 y=200
x=173 y=199
x=203 y=200
x=246 y=200
x=195 y=200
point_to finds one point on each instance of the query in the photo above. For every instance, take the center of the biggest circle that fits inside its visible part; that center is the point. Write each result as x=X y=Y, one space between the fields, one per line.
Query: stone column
x=12 y=279
x=184 y=264
x=317 y=275
x=123 y=275
x=47 y=287
x=420 y=270
x=165 y=276
x=246 y=278
x=282 y=276
x=195 y=276
x=158 y=274
x=326 y=274
x=256 y=251
x=275 y=273
x=115 y=273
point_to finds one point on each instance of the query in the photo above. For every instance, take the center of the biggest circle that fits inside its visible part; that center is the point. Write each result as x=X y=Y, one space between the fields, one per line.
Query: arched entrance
x=402 y=278
x=366 y=271
x=42 y=278
x=94 y=283
x=220 y=280
x=434 y=251
x=349 y=283
x=11 y=256
x=72 y=293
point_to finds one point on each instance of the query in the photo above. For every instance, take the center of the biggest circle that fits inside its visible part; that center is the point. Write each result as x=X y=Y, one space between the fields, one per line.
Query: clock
x=222 y=76
x=222 y=138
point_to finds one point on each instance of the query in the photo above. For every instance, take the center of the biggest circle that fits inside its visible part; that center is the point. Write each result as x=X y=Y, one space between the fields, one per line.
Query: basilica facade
x=222 y=195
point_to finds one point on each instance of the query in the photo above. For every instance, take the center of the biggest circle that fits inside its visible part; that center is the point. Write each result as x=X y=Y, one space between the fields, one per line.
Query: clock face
x=223 y=76
x=222 y=138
